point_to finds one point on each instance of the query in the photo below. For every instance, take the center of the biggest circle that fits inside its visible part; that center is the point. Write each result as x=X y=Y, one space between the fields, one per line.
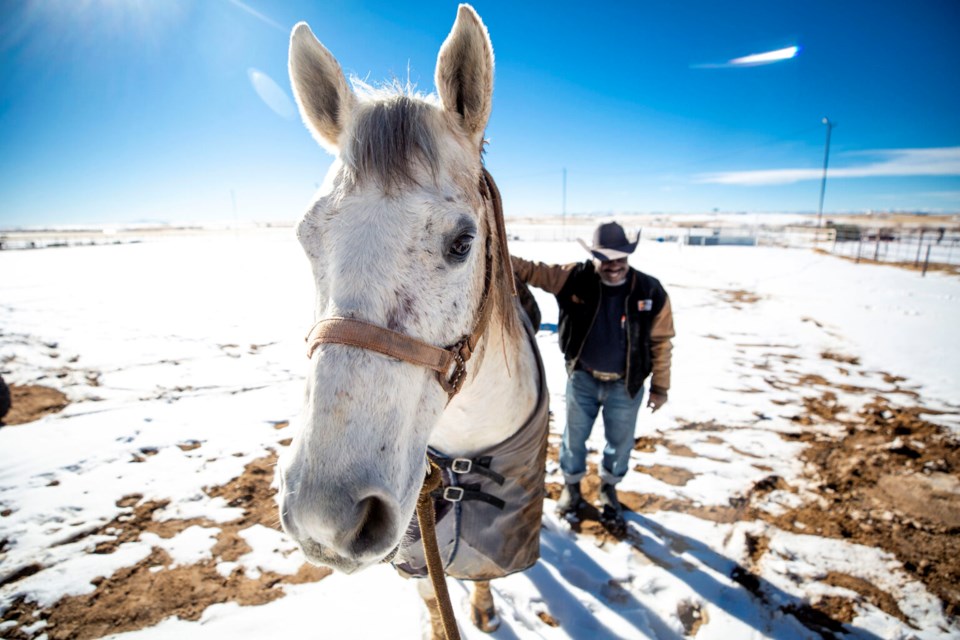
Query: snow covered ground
x=183 y=360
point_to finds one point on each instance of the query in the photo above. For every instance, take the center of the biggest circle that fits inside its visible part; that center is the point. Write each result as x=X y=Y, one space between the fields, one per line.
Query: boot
x=570 y=499
x=609 y=504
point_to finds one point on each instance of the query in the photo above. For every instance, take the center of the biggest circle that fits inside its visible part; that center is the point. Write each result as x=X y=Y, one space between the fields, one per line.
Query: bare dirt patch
x=837 y=357
x=154 y=589
x=877 y=597
x=31 y=402
x=939 y=489
x=757 y=546
x=890 y=482
x=817 y=410
x=692 y=616
x=548 y=619
x=671 y=475
x=143 y=595
x=21 y=573
x=738 y=297
x=648 y=444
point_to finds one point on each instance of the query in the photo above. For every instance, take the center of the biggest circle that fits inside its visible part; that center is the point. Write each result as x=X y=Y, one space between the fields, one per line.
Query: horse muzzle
x=339 y=532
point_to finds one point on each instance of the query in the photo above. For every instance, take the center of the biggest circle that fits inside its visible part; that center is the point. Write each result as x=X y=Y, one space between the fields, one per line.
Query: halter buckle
x=461 y=353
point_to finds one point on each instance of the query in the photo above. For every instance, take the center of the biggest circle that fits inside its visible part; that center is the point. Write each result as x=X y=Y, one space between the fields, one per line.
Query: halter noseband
x=448 y=362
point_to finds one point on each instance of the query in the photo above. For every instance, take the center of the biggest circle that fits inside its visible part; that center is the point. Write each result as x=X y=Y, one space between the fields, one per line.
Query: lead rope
x=428 y=535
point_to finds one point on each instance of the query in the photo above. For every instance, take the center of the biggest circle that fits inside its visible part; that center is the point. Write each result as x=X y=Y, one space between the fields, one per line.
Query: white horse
x=401 y=237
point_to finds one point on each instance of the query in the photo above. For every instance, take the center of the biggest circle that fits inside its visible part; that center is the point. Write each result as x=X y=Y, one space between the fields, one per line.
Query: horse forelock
x=393 y=139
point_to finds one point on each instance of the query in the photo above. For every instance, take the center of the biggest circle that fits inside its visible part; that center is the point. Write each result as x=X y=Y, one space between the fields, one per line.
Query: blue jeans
x=586 y=396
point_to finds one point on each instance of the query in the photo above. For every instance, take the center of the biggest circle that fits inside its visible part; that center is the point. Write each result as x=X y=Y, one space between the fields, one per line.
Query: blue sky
x=122 y=111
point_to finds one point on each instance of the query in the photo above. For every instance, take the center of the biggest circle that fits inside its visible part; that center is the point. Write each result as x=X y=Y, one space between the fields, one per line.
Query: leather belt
x=603 y=376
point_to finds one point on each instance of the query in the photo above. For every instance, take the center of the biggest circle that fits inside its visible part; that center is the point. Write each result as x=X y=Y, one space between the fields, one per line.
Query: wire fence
x=916 y=247
x=705 y=236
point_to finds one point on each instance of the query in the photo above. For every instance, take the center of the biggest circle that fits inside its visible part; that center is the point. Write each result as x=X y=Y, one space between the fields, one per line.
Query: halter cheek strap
x=449 y=362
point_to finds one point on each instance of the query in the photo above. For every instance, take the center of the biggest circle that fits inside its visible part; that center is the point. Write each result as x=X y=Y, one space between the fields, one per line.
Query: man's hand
x=655 y=401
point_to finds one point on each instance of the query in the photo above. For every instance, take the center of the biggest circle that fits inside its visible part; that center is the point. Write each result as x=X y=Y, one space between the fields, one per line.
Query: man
x=615 y=329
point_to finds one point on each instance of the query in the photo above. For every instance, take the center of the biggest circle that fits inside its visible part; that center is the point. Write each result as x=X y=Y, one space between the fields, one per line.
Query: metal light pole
x=826 y=158
x=564 y=196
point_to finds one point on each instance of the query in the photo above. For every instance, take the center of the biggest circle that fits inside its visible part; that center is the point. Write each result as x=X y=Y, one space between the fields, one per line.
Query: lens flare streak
x=766 y=58
x=753 y=60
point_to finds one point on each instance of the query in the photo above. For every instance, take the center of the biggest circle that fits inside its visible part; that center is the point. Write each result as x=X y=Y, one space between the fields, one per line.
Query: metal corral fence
x=906 y=246
x=727 y=235
x=917 y=247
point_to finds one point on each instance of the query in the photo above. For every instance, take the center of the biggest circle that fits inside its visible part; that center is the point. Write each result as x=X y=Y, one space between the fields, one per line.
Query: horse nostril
x=375 y=524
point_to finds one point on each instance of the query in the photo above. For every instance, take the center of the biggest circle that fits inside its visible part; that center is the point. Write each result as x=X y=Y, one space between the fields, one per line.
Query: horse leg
x=483 y=613
x=425 y=589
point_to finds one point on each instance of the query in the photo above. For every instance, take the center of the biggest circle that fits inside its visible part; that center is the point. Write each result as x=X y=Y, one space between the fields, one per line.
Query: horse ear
x=323 y=96
x=464 y=76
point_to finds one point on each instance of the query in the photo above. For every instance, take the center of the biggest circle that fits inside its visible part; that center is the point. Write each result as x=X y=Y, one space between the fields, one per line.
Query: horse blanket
x=489 y=507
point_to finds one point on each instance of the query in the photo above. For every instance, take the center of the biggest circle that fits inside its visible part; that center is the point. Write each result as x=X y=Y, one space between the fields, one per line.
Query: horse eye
x=459 y=249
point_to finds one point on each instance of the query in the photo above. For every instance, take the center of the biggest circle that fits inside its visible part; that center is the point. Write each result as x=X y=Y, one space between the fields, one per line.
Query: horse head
x=398 y=238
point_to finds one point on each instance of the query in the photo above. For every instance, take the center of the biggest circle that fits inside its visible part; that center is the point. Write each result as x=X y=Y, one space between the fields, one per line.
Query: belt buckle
x=605 y=376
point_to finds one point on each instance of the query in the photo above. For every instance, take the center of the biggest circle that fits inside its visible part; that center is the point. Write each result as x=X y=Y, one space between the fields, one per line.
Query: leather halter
x=449 y=362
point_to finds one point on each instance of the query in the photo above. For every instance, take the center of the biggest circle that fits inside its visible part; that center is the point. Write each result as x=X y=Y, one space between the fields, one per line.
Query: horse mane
x=392 y=134
x=505 y=302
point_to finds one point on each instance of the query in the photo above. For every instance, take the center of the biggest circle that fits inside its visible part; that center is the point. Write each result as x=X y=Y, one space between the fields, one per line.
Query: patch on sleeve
x=645 y=305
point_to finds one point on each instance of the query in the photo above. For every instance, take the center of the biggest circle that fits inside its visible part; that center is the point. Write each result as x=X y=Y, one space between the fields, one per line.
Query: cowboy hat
x=610 y=242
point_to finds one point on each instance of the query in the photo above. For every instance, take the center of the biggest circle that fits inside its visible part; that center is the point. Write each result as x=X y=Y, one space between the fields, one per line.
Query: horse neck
x=498 y=397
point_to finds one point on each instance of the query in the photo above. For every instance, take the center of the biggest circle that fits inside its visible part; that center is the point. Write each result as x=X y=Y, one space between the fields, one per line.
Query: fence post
x=916 y=261
x=859 y=248
x=876 y=249
x=926 y=261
